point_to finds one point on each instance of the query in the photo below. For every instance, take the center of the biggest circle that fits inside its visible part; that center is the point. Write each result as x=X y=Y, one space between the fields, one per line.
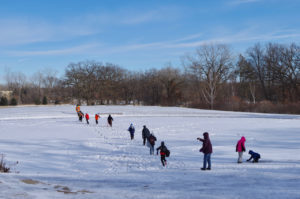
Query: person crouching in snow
x=97 y=118
x=109 y=120
x=163 y=152
x=207 y=150
x=131 y=130
x=151 y=142
x=240 y=148
x=87 y=117
x=254 y=156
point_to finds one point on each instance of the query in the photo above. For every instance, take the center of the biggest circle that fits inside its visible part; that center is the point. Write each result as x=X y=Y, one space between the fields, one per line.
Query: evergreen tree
x=3 y=101
x=45 y=101
x=13 y=102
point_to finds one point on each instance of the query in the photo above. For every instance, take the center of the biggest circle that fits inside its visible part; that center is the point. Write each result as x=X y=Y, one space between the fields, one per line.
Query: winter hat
x=205 y=134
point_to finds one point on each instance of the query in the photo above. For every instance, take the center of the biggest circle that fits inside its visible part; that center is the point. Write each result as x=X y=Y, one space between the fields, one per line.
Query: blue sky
x=136 y=35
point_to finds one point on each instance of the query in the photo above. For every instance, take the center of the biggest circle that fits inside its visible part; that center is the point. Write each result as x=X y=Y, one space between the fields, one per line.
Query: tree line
x=264 y=79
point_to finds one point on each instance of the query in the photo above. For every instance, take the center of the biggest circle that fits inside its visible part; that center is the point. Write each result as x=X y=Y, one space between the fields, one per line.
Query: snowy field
x=59 y=157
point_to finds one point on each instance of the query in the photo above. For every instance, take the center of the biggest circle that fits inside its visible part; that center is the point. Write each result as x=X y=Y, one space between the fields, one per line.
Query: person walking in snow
x=87 y=117
x=97 y=117
x=151 y=142
x=109 y=120
x=78 y=110
x=206 y=150
x=240 y=148
x=254 y=156
x=81 y=115
x=131 y=130
x=163 y=153
x=145 y=134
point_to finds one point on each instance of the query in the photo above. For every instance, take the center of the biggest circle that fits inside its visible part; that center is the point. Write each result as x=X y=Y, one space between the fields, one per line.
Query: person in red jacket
x=87 y=117
x=240 y=148
x=207 y=150
x=96 y=118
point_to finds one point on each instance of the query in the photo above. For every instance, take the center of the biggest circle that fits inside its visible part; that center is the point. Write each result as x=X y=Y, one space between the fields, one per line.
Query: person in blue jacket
x=254 y=156
x=131 y=130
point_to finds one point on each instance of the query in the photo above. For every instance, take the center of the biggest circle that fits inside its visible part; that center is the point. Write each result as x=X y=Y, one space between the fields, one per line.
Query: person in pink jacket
x=240 y=148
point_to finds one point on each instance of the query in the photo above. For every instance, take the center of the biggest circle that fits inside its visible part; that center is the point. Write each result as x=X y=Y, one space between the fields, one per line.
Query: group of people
x=81 y=115
x=240 y=148
x=150 y=139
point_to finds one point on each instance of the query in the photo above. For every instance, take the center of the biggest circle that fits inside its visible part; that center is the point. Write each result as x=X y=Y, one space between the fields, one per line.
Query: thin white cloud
x=244 y=36
x=158 y=14
x=239 y=2
x=145 y=17
x=19 y=31
x=249 y=35
x=27 y=31
x=66 y=51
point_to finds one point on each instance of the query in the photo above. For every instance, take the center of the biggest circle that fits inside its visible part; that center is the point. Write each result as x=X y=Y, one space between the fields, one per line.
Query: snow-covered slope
x=59 y=157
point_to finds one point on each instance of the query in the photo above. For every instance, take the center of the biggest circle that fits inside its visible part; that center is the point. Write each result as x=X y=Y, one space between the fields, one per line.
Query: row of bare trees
x=212 y=78
x=96 y=83
x=28 y=90
x=271 y=72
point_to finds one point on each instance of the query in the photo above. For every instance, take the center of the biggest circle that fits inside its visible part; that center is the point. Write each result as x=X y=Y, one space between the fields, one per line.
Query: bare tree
x=15 y=81
x=257 y=61
x=212 y=65
x=247 y=77
x=81 y=77
x=37 y=80
x=171 y=81
x=290 y=60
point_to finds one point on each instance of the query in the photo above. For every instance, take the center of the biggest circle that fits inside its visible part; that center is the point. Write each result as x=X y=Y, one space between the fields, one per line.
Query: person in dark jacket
x=145 y=134
x=109 y=120
x=207 y=150
x=151 y=142
x=131 y=130
x=163 y=150
x=254 y=156
x=81 y=115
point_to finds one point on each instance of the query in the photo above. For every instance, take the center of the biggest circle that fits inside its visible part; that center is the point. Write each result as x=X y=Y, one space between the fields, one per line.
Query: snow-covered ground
x=59 y=157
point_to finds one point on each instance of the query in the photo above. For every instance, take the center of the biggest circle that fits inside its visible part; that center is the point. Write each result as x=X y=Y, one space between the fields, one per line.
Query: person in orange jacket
x=87 y=117
x=78 y=110
x=97 y=117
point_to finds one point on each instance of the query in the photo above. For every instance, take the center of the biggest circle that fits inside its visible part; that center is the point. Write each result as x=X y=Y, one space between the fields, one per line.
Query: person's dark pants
x=96 y=121
x=110 y=123
x=87 y=121
x=80 y=118
x=163 y=160
x=255 y=159
x=144 y=141
x=132 y=136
